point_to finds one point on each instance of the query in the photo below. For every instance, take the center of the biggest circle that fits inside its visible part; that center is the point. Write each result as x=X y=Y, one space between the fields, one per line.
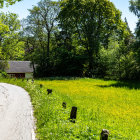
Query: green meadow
x=111 y=105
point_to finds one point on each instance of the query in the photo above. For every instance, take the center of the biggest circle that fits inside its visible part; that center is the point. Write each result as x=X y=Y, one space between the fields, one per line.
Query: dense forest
x=83 y=38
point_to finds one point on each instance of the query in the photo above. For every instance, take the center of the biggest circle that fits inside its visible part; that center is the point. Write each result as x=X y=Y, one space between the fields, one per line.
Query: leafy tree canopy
x=92 y=22
x=135 y=8
x=8 y=2
x=10 y=46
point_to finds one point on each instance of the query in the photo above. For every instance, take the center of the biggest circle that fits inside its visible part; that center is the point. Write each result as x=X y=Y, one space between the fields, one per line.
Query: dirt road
x=16 y=115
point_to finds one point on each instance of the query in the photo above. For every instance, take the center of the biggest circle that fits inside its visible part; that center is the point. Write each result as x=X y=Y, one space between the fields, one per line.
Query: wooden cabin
x=20 y=69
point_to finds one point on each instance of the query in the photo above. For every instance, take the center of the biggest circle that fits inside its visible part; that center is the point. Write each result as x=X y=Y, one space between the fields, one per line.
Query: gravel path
x=16 y=115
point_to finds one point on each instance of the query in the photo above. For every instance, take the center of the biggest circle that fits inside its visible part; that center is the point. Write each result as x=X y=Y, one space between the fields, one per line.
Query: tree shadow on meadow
x=123 y=84
x=59 y=78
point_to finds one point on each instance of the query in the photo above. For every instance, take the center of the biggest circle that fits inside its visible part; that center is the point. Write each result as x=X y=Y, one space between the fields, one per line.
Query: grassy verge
x=101 y=105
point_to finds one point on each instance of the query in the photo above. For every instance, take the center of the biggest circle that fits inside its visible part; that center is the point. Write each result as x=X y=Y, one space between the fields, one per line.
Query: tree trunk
x=90 y=56
x=48 y=46
x=34 y=67
x=90 y=66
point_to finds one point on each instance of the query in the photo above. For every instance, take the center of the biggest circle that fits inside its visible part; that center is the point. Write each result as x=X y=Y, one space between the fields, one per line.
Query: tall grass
x=101 y=105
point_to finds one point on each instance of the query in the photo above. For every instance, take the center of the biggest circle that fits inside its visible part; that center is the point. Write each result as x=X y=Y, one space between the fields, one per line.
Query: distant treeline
x=74 y=38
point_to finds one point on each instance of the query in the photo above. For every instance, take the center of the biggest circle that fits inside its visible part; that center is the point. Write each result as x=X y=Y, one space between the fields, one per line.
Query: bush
x=3 y=74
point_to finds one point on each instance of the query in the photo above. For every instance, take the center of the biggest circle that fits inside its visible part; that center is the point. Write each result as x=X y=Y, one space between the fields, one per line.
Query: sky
x=21 y=8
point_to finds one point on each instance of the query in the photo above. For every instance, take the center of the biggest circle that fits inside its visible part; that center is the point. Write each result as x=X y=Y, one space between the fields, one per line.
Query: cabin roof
x=19 y=67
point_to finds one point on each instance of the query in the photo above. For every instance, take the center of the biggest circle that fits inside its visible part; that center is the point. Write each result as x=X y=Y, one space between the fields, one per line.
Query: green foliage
x=118 y=60
x=10 y=45
x=135 y=8
x=8 y=2
x=3 y=74
x=92 y=23
x=3 y=65
x=79 y=38
x=109 y=59
x=38 y=34
x=68 y=64
x=3 y=33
